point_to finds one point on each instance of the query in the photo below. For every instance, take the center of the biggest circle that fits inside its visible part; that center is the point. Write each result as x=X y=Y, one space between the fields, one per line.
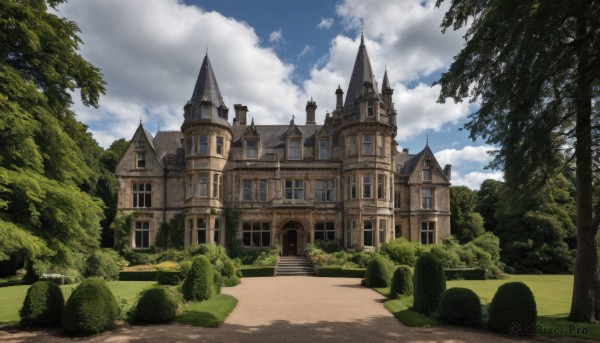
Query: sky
x=273 y=56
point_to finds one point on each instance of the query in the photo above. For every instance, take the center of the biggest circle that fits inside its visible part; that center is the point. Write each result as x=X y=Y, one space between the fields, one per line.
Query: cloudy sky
x=273 y=56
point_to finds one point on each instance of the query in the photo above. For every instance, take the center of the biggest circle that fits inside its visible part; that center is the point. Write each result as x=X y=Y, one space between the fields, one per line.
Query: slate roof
x=274 y=136
x=167 y=142
x=386 y=82
x=361 y=72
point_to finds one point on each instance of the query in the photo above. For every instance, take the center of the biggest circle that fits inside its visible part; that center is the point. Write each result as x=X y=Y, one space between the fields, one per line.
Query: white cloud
x=473 y=180
x=468 y=154
x=325 y=23
x=305 y=50
x=276 y=37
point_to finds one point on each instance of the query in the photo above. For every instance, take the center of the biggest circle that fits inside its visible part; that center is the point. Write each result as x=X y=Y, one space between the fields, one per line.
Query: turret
x=387 y=92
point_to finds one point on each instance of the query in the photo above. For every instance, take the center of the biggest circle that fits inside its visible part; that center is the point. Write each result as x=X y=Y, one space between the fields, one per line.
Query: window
x=142 y=194
x=141 y=160
x=370 y=108
x=351 y=187
x=142 y=235
x=217 y=230
x=203 y=185
x=256 y=234
x=294 y=151
x=201 y=228
x=190 y=145
x=427 y=198
x=427 y=232
x=368 y=233
x=382 y=230
x=247 y=190
x=190 y=187
x=252 y=149
x=380 y=144
x=367 y=182
x=203 y=145
x=262 y=190
x=353 y=150
x=380 y=186
x=294 y=189
x=367 y=144
x=397 y=199
x=323 y=149
x=325 y=231
x=426 y=170
x=397 y=231
x=324 y=190
x=216 y=186
x=219 y=145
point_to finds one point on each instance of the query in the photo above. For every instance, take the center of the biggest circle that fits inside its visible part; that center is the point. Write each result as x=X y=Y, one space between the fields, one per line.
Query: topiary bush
x=402 y=282
x=43 y=305
x=429 y=283
x=377 y=274
x=200 y=281
x=156 y=305
x=460 y=306
x=103 y=264
x=513 y=310
x=91 y=308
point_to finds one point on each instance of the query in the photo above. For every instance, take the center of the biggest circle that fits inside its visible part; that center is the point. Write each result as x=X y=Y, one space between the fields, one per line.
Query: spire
x=361 y=72
x=206 y=88
x=386 y=82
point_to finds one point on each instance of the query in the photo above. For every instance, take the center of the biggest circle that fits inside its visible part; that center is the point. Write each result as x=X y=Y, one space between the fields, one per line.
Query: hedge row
x=251 y=271
x=148 y=275
x=465 y=274
x=338 y=271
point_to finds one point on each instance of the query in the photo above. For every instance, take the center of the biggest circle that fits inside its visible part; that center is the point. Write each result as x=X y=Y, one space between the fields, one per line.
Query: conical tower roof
x=386 y=82
x=362 y=72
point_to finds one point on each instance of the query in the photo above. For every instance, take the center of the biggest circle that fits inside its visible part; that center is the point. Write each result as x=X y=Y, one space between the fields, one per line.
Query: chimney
x=240 y=115
x=448 y=171
x=311 y=107
x=339 y=95
x=405 y=150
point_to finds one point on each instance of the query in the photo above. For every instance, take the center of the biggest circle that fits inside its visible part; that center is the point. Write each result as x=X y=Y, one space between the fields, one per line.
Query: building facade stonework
x=343 y=181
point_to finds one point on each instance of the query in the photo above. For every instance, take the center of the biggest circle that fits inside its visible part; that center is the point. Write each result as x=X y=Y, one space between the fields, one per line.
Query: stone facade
x=292 y=184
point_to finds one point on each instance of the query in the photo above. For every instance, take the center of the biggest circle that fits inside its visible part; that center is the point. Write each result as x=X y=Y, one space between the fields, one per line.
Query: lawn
x=209 y=313
x=552 y=295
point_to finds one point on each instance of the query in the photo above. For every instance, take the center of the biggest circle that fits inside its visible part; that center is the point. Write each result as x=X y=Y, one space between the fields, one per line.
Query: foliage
x=232 y=223
x=167 y=266
x=400 y=251
x=164 y=277
x=339 y=271
x=533 y=67
x=429 y=283
x=465 y=223
x=146 y=275
x=488 y=198
x=199 y=283
x=43 y=305
x=184 y=267
x=91 y=308
x=513 y=307
x=378 y=273
x=121 y=226
x=173 y=231
x=218 y=283
x=138 y=257
x=156 y=305
x=253 y=271
x=172 y=254
x=329 y=246
x=104 y=264
x=362 y=258
x=460 y=306
x=402 y=282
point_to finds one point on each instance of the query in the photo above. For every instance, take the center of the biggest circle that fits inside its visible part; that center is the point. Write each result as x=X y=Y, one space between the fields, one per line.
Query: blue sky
x=273 y=56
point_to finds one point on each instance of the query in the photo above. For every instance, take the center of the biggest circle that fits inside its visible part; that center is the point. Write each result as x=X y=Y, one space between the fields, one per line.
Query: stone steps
x=294 y=265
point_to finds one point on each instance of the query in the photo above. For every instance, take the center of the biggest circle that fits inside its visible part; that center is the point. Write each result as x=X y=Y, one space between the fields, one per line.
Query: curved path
x=289 y=309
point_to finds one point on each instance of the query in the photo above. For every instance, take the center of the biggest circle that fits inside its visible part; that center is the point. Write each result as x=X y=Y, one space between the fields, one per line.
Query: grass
x=11 y=298
x=10 y=281
x=209 y=313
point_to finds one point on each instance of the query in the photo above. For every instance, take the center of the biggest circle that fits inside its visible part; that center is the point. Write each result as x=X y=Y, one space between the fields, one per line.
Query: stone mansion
x=344 y=180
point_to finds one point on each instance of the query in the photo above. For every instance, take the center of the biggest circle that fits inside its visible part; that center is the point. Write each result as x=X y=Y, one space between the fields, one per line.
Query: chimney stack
x=311 y=108
x=240 y=115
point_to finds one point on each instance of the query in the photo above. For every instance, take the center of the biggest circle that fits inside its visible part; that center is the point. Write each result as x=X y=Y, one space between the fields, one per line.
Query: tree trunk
x=584 y=306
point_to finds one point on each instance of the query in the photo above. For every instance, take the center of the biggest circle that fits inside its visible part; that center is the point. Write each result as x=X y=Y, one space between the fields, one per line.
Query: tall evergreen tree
x=48 y=160
x=535 y=67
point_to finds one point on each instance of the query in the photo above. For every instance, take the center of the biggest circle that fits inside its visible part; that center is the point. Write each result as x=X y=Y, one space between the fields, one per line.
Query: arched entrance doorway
x=289 y=239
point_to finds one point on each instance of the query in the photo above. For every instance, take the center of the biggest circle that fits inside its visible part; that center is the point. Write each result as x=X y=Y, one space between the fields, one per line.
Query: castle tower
x=207 y=140
x=366 y=133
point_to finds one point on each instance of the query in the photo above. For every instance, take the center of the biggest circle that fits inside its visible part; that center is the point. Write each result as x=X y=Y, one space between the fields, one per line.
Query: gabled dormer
x=324 y=139
x=251 y=142
x=423 y=168
x=140 y=155
x=294 y=142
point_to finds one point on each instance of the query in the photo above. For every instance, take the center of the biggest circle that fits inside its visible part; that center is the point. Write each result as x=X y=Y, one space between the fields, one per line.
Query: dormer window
x=370 y=108
x=251 y=149
x=323 y=149
x=141 y=160
x=294 y=149
x=427 y=170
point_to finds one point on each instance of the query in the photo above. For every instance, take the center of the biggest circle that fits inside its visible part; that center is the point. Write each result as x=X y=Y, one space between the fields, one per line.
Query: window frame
x=251 y=146
x=380 y=186
x=141 y=198
x=253 y=230
x=397 y=199
x=367 y=144
x=203 y=185
x=427 y=204
x=203 y=145
x=262 y=192
x=217 y=231
x=326 y=230
x=296 y=187
x=324 y=190
x=247 y=190
x=297 y=150
x=324 y=149
x=367 y=187
x=141 y=160
x=144 y=234
x=427 y=228
x=216 y=185
x=201 y=230
x=382 y=230
x=370 y=108
x=220 y=142
x=368 y=230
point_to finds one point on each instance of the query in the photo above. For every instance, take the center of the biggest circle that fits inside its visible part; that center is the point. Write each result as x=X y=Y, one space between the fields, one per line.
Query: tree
x=488 y=198
x=535 y=67
x=465 y=224
x=48 y=160
x=108 y=187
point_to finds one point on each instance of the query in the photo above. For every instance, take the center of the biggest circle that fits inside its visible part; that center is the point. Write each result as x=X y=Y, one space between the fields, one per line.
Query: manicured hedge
x=465 y=274
x=377 y=274
x=252 y=271
x=402 y=282
x=155 y=306
x=338 y=271
x=169 y=277
x=429 y=283
x=460 y=306
x=200 y=282
x=149 y=275
x=43 y=305
x=91 y=308
x=513 y=310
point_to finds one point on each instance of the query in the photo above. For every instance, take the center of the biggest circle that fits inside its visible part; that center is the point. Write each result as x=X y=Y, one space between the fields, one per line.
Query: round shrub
x=200 y=281
x=460 y=306
x=402 y=282
x=429 y=284
x=218 y=282
x=228 y=269
x=103 y=264
x=91 y=308
x=155 y=306
x=378 y=274
x=513 y=310
x=43 y=305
